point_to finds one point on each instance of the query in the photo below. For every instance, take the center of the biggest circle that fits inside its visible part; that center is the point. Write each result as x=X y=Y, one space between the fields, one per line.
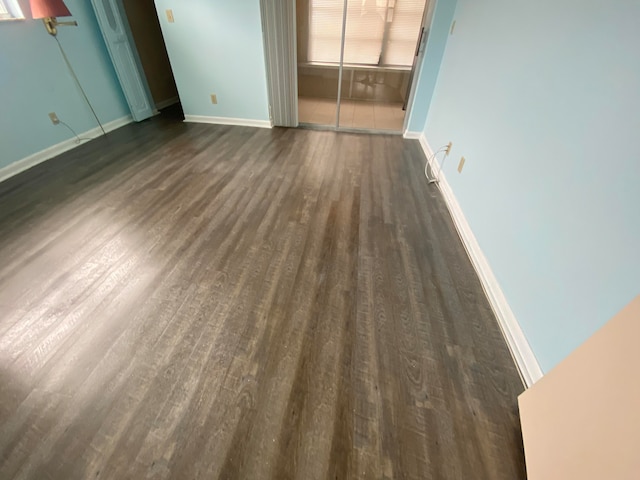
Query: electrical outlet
x=214 y=99
x=170 y=16
x=54 y=118
x=453 y=27
x=449 y=147
x=461 y=164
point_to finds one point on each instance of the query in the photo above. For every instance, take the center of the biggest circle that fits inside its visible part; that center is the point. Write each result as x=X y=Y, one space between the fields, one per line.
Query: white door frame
x=280 y=45
x=280 y=51
x=422 y=42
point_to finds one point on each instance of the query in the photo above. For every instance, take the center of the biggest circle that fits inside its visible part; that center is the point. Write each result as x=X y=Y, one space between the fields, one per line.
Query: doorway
x=355 y=61
x=132 y=35
x=149 y=42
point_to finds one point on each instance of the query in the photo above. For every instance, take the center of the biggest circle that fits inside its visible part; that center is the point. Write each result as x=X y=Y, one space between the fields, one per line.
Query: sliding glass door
x=355 y=61
x=319 y=32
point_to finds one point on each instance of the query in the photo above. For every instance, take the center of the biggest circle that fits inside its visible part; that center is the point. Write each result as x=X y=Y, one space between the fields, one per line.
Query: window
x=10 y=10
x=404 y=30
x=378 y=32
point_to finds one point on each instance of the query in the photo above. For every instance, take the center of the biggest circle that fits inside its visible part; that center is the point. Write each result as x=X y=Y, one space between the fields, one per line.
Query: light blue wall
x=215 y=46
x=433 y=53
x=543 y=100
x=35 y=81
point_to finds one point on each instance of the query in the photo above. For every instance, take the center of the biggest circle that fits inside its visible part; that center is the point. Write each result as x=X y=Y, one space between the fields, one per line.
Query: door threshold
x=331 y=128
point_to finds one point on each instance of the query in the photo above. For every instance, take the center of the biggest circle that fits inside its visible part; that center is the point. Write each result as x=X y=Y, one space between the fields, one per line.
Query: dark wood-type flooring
x=200 y=302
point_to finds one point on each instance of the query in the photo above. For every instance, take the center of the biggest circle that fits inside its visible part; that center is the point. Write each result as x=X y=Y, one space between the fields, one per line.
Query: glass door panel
x=379 y=48
x=319 y=41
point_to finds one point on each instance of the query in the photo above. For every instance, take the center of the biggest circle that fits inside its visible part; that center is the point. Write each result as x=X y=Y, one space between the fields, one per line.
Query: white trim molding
x=519 y=347
x=412 y=135
x=280 y=56
x=55 y=150
x=242 y=122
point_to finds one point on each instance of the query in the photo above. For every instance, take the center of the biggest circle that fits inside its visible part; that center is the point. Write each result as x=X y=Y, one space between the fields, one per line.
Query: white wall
x=543 y=100
x=34 y=81
x=216 y=47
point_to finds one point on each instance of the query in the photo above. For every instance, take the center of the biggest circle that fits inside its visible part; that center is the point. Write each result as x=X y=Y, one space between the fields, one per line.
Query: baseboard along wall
x=53 y=151
x=243 y=122
x=521 y=351
x=412 y=135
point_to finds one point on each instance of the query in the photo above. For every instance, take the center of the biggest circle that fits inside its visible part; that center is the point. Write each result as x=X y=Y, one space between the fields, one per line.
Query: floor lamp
x=48 y=11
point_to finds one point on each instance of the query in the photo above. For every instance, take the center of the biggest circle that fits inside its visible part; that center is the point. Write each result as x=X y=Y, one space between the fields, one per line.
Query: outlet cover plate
x=461 y=164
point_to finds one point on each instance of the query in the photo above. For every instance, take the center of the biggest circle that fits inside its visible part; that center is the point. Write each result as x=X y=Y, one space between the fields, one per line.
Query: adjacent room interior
x=149 y=43
x=356 y=61
x=318 y=239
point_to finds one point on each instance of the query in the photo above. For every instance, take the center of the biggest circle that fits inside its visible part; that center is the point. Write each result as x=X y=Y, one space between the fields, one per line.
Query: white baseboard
x=243 y=122
x=55 y=150
x=167 y=103
x=412 y=135
x=521 y=352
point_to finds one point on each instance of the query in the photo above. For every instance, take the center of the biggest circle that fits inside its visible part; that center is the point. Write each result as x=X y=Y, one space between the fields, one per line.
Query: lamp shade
x=49 y=8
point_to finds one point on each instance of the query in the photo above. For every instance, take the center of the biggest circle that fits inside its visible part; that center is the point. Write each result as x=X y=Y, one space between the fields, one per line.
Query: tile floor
x=353 y=114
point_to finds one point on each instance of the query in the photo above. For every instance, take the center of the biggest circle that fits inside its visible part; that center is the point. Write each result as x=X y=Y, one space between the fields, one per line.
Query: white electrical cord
x=430 y=159
x=78 y=139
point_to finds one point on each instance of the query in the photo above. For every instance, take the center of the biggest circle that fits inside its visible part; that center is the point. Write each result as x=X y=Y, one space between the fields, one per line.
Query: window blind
x=364 y=31
x=404 y=30
x=3 y=11
x=378 y=32
x=325 y=30
x=10 y=9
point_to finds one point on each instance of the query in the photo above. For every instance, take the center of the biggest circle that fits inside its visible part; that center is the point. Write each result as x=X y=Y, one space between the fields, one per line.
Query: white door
x=115 y=30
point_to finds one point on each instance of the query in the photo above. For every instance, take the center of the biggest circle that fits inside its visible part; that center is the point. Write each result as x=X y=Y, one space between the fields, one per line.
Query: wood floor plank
x=199 y=301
